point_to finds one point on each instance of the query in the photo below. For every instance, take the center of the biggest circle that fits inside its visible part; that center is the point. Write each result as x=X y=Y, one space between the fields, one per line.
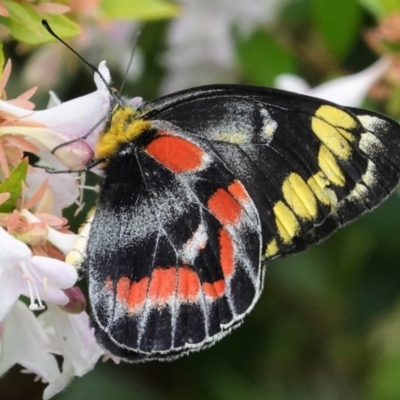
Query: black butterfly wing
x=222 y=178
x=173 y=255
x=310 y=166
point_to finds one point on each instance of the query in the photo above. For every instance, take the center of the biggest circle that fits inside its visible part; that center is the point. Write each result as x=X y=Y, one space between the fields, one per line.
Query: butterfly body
x=201 y=189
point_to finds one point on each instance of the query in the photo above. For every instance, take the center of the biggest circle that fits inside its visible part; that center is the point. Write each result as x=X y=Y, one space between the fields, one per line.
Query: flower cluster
x=42 y=313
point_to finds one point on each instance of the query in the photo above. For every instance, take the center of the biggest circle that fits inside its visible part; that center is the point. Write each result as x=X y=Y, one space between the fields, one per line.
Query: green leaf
x=25 y=24
x=262 y=59
x=13 y=185
x=380 y=8
x=139 y=9
x=19 y=13
x=339 y=23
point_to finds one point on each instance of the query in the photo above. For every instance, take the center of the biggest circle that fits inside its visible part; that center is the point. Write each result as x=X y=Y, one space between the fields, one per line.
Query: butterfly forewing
x=309 y=165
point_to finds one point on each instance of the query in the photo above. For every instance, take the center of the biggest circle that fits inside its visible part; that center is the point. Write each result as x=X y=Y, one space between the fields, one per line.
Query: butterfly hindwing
x=178 y=240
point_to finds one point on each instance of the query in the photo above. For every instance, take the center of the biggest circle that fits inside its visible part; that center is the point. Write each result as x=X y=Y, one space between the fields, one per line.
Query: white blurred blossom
x=348 y=90
x=201 y=47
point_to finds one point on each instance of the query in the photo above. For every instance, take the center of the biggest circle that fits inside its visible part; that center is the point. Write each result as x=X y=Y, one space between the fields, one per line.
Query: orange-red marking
x=162 y=284
x=175 y=153
x=123 y=286
x=237 y=190
x=215 y=289
x=225 y=208
x=137 y=294
x=226 y=252
x=188 y=284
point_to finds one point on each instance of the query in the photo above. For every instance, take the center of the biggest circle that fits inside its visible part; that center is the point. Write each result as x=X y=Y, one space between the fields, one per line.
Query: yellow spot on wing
x=331 y=138
x=330 y=167
x=271 y=249
x=299 y=197
x=319 y=184
x=235 y=138
x=286 y=222
x=348 y=135
x=337 y=117
x=124 y=128
x=270 y=129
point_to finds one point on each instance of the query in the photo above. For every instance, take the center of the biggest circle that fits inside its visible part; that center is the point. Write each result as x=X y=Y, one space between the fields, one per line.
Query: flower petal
x=292 y=83
x=76 y=339
x=58 y=273
x=348 y=90
x=59 y=384
x=63 y=186
x=10 y=291
x=73 y=118
x=24 y=342
x=63 y=241
x=351 y=90
x=12 y=251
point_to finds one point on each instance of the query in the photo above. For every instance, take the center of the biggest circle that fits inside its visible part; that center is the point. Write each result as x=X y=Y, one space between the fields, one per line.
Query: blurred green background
x=327 y=326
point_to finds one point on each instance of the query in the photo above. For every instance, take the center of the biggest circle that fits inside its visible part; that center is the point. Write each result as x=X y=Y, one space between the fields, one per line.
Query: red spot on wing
x=123 y=286
x=137 y=294
x=226 y=253
x=162 y=284
x=237 y=190
x=225 y=208
x=176 y=154
x=188 y=284
x=214 y=290
x=133 y=294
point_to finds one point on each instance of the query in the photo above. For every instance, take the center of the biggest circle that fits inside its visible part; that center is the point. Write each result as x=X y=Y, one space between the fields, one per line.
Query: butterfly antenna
x=90 y=65
x=135 y=43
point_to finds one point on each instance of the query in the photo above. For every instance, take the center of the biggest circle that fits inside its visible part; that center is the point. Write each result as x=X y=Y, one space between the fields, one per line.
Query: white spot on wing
x=370 y=144
x=371 y=123
x=269 y=125
x=193 y=246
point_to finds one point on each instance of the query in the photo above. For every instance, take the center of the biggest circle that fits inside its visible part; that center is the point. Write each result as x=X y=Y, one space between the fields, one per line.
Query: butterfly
x=202 y=188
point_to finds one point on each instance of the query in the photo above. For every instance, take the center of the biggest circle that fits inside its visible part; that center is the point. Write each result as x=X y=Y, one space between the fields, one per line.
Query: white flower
x=64 y=189
x=39 y=278
x=348 y=90
x=201 y=47
x=30 y=341
x=71 y=337
x=64 y=122
x=24 y=341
